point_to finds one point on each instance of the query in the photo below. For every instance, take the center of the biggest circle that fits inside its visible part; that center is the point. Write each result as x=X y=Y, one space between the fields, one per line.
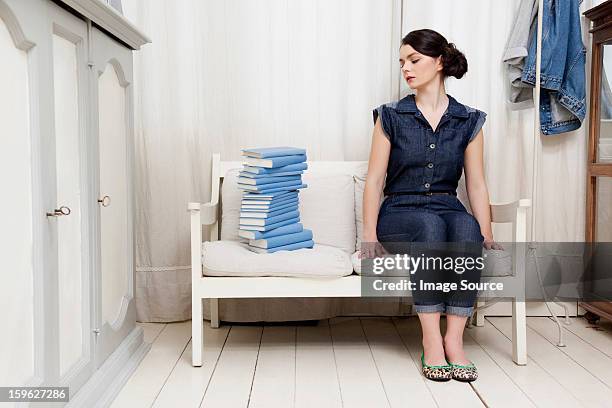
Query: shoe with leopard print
x=435 y=372
x=465 y=373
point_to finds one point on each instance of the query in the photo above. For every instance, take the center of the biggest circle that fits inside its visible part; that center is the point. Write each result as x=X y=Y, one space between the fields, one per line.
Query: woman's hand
x=371 y=248
x=489 y=243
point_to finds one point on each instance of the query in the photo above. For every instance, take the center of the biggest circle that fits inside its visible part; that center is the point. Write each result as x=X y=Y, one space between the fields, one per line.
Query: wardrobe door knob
x=105 y=201
x=63 y=210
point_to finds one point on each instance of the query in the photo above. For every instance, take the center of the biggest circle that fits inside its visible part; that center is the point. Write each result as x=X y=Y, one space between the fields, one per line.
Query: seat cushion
x=232 y=258
x=327 y=207
x=498 y=263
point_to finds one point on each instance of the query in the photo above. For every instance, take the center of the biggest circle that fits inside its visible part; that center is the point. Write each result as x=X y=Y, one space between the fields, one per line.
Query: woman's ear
x=439 y=64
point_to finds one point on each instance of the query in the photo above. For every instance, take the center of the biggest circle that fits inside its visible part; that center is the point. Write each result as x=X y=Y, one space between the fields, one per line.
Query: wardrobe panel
x=16 y=291
x=69 y=228
x=114 y=226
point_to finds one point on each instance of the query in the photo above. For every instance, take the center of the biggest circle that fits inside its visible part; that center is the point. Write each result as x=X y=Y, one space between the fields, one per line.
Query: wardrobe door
x=115 y=267
x=75 y=336
x=23 y=219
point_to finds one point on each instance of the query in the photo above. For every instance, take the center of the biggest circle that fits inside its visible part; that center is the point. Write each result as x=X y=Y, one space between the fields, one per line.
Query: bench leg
x=519 y=332
x=480 y=314
x=214 y=313
x=197 y=331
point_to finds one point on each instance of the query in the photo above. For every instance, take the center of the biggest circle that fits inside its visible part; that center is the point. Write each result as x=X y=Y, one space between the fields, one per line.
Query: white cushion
x=232 y=258
x=231 y=198
x=359 y=188
x=327 y=207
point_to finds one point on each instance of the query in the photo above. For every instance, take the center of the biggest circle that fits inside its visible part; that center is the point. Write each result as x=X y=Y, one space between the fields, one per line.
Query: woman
x=421 y=144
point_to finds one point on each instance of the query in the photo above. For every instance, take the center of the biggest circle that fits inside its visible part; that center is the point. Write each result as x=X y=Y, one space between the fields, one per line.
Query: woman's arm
x=477 y=188
x=377 y=170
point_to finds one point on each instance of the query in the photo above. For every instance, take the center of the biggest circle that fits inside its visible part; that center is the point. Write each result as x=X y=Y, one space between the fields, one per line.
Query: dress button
x=432 y=146
x=427 y=185
x=430 y=165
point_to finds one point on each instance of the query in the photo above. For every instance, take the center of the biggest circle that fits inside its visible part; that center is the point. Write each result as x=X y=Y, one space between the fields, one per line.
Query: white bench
x=334 y=235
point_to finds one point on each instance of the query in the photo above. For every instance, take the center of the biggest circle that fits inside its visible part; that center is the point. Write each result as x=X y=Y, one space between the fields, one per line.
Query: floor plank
x=446 y=394
x=148 y=379
x=151 y=330
x=360 y=383
x=590 y=358
x=597 y=335
x=231 y=382
x=579 y=382
x=274 y=382
x=403 y=381
x=316 y=379
x=532 y=379
x=186 y=385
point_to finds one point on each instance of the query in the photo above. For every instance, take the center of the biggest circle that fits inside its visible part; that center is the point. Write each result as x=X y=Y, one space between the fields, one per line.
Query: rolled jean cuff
x=437 y=308
x=459 y=310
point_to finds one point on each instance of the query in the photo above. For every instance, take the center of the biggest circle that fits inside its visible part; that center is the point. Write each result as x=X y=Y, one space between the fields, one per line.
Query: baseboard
x=107 y=381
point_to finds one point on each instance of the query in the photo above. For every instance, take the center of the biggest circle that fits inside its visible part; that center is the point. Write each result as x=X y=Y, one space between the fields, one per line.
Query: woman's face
x=418 y=69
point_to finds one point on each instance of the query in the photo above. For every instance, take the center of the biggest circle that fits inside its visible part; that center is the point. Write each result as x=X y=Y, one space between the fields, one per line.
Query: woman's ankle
x=433 y=348
x=452 y=341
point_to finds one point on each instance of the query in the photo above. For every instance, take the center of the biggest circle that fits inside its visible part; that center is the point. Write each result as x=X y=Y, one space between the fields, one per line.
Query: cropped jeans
x=433 y=226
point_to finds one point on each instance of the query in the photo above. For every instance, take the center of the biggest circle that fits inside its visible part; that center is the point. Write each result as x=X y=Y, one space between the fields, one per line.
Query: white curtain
x=223 y=75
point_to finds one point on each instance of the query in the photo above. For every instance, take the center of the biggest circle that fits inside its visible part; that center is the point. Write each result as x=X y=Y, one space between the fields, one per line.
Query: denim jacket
x=562 y=77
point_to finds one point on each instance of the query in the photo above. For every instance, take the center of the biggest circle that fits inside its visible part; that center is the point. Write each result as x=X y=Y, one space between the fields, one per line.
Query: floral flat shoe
x=436 y=372
x=464 y=373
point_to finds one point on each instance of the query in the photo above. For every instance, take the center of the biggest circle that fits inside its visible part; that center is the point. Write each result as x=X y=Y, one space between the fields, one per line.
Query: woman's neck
x=432 y=98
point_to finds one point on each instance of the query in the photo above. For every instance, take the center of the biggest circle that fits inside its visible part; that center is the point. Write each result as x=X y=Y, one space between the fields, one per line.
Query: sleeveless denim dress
x=421 y=161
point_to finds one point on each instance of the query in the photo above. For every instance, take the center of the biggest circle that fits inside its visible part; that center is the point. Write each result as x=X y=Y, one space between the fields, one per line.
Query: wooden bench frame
x=214 y=288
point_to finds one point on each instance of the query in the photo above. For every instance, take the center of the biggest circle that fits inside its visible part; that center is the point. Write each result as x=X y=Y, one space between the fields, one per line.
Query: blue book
x=268 y=205
x=264 y=228
x=281 y=195
x=290 y=183
x=274 y=162
x=258 y=209
x=265 y=152
x=289 y=167
x=280 y=240
x=267 y=180
x=268 y=175
x=286 y=229
x=290 y=247
x=271 y=220
x=268 y=214
x=278 y=189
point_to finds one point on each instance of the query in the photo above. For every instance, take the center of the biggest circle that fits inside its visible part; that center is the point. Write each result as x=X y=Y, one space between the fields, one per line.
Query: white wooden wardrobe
x=67 y=206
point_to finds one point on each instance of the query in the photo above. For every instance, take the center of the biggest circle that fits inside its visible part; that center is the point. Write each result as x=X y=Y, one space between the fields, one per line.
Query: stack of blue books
x=269 y=214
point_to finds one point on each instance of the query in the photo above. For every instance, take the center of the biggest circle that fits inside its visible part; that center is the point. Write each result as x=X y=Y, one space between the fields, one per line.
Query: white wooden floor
x=368 y=362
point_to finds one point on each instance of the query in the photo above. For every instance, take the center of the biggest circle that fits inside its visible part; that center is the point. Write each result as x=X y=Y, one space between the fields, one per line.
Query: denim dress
x=424 y=161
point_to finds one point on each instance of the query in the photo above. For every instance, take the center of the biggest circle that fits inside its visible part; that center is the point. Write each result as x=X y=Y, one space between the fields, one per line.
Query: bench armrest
x=206 y=212
x=514 y=212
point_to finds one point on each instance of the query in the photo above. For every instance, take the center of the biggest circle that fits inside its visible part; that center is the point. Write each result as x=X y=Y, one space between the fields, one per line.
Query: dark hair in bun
x=433 y=44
